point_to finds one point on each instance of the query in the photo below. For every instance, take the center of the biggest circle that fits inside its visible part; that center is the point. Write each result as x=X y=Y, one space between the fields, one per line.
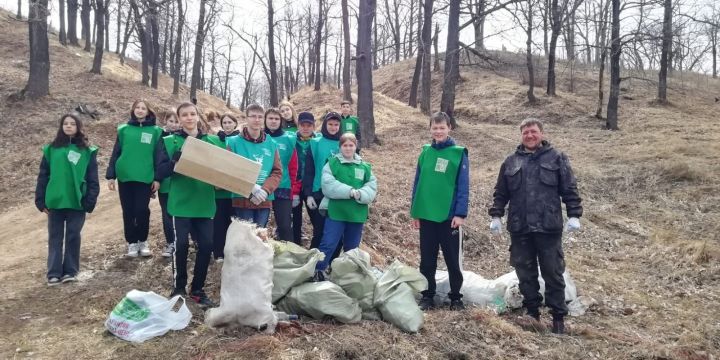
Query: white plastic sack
x=321 y=299
x=142 y=315
x=351 y=271
x=292 y=265
x=395 y=295
x=476 y=290
x=246 y=282
x=513 y=297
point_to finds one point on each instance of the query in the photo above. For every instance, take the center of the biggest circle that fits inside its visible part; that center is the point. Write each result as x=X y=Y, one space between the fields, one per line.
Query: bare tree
x=38 y=84
x=145 y=51
x=107 y=25
x=436 y=58
x=558 y=10
x=18 y=15
x=61 y=35
x=129 y=28
x=602 y=44
x=178 y=47
x=425 y=75
x=615 y=52
x=393 y=21
x=72 y=8
x=318 y=41
x=100 y=38
x=419 y=60
x=271 y=55
x=85 y=22
x=363 y=70
x=452 y=62
x=666 y=50
x=346 y=52
x=199 y=41
x=527 y=18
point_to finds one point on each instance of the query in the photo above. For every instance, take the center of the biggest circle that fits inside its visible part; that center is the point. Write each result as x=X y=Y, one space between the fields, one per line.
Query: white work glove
x=255 y=200
x=295 y=200
x=495 y=226
x=255 y=190
x=355 y=194
x=311 y=203
x=572 y=225
x=261 y=195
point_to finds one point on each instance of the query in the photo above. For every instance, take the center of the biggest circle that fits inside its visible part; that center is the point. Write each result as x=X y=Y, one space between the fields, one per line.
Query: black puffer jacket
x=533 y=184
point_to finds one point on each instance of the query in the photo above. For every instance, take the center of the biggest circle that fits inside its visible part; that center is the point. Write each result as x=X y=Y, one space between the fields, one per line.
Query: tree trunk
x=144 y=43
x=178 y=47
x=107 y=26
x=155 y=32
x=129 y=27
x=615 y=53
x=666 y=49
x=375 y=44
x=452 y=62
x=85 y=22
x=556 y=27
x=436 y=58
x=38 y=84
x=418 y=61
x=346 y=52
x=119 y=24
x=100 y=36
x=528 y=44
x=271 y=56
x=72 y=8
x=479 y=25
x=62 y=35
x=601 y=61
x=318 y=43
x=18 y=15
x=546 y=17
x=714 y=41
x=425 y=84
x=199 y=39
x=163 y=59
x=363 y=71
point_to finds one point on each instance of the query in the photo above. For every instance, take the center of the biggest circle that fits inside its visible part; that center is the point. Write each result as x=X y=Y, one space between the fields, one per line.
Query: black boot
x=427 y=303
x=558 y=326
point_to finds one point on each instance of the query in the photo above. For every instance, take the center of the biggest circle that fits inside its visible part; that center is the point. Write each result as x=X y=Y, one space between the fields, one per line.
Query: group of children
x=320 y=171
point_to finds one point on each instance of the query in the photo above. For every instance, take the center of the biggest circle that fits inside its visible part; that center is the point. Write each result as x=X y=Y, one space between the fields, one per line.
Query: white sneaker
x=169 y=249
x=144 y=251
x=133 y=250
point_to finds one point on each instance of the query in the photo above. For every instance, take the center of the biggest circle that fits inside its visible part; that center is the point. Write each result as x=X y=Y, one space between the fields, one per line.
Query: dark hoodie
x=117 y=150
x=222 y=135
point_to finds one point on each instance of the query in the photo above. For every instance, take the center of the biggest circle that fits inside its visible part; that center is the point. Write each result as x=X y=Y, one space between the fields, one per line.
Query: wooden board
x=217 y=166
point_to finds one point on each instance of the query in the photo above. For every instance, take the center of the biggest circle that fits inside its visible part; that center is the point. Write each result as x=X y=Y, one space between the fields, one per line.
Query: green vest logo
x=360 y=174
x=146 y=138
x=73 y=157
x=441 y=165
x=127 y=309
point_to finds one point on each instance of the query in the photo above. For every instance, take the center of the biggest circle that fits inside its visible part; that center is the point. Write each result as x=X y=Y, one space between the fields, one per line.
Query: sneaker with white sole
x=68 y=278
x=143 y=248
x=133 y=250
x=53 y=281
x=220 y=260
x=169 y=249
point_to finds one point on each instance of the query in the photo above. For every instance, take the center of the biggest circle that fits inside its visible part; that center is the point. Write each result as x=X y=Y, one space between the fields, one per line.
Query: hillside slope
x=648 y=252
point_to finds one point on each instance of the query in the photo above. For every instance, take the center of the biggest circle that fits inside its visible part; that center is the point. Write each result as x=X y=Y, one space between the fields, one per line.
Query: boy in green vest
x=255 y=145
x=191 y=203
x=131 y=163
x=306 y=132
x=349 y=123
x=67 y=188
x=349 y=187
x=322 y=148
x=289 y=187
x=439 y=208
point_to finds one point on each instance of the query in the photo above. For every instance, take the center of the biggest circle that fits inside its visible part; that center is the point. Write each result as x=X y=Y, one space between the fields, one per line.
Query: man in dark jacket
x=533 y=180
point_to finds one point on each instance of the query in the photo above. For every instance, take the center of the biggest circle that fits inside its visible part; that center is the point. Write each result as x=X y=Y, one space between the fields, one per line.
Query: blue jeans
x=350 y=232
x=257 y=216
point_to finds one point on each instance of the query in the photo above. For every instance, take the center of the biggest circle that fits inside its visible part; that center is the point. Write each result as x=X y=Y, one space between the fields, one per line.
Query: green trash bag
x=351 y=270
x=319 y=300
x=395 y=294
x=292 y=265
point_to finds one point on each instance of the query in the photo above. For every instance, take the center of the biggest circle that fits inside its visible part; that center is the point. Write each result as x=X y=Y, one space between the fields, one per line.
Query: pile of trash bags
x=354 y=290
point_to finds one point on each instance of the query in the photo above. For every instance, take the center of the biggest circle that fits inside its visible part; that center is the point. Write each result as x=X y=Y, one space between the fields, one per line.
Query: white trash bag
x=246 y=282
x=513 y=297
x=143 y=315
x=476 y=290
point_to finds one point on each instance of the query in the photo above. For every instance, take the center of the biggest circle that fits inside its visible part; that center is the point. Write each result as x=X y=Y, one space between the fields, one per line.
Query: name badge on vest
x=348 y=127
x=266 y=152
x=441 y=165
x=73 y=157
x=146 y=138
x=282 y=147
x=360 y=174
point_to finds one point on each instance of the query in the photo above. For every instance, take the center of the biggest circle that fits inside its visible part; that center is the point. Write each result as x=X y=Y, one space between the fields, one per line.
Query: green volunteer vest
x=264 y=153
x=136 y=161
x=436 y=185
x=285 y=145
x=322 y=149
x=189 y=197
x=68 y=165
x=349 y=125
x=354 y=175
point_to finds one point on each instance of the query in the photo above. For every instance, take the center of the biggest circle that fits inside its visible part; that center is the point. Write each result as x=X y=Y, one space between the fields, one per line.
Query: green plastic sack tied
x=395 y=294
x=351 y=271
x=320 y=300
x=292 y=265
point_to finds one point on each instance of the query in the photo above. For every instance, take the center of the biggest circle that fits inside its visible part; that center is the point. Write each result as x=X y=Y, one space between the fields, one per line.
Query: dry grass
x=648 y=252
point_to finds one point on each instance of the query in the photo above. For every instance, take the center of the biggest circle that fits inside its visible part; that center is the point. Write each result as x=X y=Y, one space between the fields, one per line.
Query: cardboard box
x=217 y=166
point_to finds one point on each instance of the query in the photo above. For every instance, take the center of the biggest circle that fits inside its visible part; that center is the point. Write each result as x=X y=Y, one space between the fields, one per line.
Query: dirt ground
x=649 y=251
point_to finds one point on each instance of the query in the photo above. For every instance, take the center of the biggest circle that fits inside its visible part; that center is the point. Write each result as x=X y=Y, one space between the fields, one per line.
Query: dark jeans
x=297 y=215
x=65 y=225
x=338 y=235
x=257 y=216
x=433 y=237
x=135 y=201
x=166 y=218
x=201 y=230
x=318 y=223
x=527 y=251
x=282 y=210
x=223 y=213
